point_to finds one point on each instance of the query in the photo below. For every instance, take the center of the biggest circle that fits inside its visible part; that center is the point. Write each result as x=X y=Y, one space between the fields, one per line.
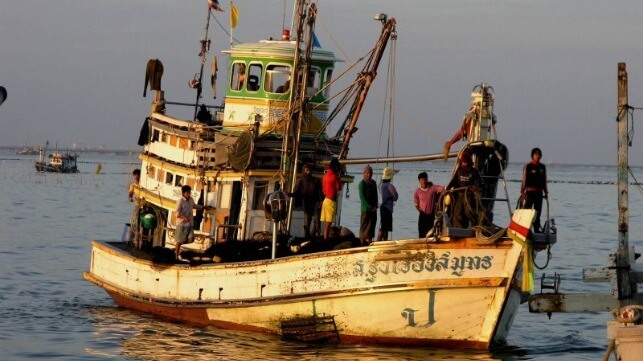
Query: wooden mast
x=365 y=79
x=625 y=289
x=205 y=45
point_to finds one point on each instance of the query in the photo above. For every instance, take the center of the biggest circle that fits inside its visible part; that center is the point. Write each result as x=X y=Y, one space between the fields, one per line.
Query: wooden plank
x=573 y=302
x=598 y=274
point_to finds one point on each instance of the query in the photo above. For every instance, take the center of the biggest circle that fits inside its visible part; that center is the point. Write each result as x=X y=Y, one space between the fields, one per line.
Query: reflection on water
x=47 y=310
x=152 y=339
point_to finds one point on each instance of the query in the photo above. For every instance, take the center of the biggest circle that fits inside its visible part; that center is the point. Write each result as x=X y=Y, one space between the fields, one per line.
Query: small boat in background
x=27 y=150
x=58 y=162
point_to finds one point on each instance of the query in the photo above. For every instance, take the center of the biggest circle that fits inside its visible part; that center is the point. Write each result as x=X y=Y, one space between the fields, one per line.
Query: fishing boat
x=250 y=266
x=27 y=150
x=58 y=162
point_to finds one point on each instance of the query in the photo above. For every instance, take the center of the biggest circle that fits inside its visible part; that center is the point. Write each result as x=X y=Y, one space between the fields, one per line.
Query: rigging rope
x=485 y=231
x=222 y=27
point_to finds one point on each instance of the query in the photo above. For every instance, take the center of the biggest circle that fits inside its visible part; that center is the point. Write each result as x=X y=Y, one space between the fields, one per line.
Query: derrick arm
x=365 y=79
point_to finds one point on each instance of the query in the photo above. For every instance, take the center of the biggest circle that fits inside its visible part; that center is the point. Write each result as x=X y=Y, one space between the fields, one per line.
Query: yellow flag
x=234 y=16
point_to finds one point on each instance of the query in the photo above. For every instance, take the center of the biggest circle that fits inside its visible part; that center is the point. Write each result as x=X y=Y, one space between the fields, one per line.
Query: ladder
x=499 y=177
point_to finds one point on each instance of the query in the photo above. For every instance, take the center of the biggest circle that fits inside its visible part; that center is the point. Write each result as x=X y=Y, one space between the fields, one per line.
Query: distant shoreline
x=84 y=150
x=137 y=151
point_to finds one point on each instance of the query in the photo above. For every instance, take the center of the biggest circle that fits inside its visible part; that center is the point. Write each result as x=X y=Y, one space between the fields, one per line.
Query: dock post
x=624 y=286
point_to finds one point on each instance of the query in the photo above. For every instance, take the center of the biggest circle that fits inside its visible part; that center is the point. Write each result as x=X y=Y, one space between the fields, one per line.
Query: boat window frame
x=267 y=70
x=169 y=178
x=235 y=76
x=178 y=180
x=259 y=192
x=249 y=67
x=327 y=79
x=317 y=70
x=151 y=171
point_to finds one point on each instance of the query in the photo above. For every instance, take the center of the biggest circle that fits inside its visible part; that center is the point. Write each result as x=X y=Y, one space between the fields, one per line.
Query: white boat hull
x=453 y=294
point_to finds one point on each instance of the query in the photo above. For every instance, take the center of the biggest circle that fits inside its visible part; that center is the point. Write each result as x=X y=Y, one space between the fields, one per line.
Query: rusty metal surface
x=310 y=329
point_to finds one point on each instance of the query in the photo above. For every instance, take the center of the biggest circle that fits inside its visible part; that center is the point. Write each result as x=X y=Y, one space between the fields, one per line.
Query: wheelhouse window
x=237 y=80
x=169 y=178
x=254 y=77
x=277 y=79
x=151 y=171
x=327 y=80
x=178 y=180
x=260 y=191
x=313 y=82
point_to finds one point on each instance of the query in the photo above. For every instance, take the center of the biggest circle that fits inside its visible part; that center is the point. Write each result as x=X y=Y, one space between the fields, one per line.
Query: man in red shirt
x=425 y=198
x=330 y=187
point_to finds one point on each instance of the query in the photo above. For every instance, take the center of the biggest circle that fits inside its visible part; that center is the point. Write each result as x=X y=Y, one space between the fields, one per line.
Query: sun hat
x=388 y=173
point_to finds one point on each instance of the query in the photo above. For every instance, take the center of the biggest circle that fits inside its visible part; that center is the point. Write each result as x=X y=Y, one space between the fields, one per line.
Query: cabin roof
x=278 y=49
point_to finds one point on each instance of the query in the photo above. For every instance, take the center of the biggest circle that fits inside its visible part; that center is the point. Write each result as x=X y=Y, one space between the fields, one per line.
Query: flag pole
x=231 y=28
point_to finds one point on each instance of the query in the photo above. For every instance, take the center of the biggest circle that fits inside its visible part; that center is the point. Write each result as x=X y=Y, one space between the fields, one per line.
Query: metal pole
x=203 y=57
x=274 y=238
x=625 y=292
x=413 y=158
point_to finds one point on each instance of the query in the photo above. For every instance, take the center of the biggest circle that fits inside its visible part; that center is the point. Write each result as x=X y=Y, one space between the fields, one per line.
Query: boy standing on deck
x=184 y=219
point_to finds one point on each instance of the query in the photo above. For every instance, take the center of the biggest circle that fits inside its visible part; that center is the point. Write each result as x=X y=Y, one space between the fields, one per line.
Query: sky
x=75 y=69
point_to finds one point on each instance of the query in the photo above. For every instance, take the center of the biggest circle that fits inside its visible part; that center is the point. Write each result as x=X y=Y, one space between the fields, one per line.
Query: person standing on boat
x=307 y=193
x=465 y=181
x=184 y=232
x=425 y=198
x=135 y=185
x=331 y=186
x=389 y=197
x=534 y=185
x=465 y=130
x=368 y=200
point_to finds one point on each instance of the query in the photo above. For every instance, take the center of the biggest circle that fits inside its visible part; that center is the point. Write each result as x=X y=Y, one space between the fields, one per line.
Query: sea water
x=48 y=311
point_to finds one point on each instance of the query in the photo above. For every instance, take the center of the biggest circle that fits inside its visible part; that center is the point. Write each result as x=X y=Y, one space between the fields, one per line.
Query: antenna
x=283 y=18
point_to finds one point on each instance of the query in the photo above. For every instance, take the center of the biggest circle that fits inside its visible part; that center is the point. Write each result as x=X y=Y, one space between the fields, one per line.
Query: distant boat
x=58 y=163
x=27 y=150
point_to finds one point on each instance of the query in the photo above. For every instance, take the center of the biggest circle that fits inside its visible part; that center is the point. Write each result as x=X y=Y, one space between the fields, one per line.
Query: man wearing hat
x=389 y=196
x=368 y=200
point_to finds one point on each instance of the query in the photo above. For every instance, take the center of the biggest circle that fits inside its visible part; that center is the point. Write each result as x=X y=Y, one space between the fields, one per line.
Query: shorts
x=183 y=233
x=328 y=211
x=386 y=223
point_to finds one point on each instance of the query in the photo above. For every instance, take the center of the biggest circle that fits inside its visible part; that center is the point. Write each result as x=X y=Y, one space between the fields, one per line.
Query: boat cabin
x=259 y=88
x=234 y=162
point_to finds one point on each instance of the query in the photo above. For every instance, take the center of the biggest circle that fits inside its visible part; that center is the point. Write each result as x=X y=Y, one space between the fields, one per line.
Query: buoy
x=99 y=168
